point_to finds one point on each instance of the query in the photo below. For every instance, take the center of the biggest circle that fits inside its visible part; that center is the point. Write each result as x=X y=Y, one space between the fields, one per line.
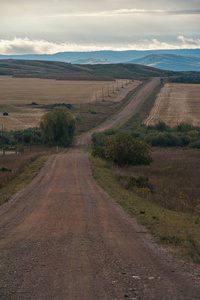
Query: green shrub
x=161 y=126
x=140 y=182
x=131 y=183
x=195 y=144
x=124 y=150
x=166 y=139
x=98 y=151
x=99 y=138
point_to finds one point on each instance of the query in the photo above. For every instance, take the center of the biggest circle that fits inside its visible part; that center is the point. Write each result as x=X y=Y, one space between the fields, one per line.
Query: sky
x=51 y=26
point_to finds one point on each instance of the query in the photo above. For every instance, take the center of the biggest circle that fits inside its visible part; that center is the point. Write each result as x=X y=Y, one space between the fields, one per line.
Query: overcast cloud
x=50 y=26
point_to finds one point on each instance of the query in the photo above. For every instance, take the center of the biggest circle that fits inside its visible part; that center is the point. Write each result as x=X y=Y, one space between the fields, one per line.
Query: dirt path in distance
x=63 y=237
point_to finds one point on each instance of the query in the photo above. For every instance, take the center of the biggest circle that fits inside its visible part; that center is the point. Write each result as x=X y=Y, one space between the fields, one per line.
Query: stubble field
x=18 y=93
x=175 y=104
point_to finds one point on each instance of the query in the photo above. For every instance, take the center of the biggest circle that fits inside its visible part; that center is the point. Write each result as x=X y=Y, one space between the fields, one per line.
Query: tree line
x=56 y=128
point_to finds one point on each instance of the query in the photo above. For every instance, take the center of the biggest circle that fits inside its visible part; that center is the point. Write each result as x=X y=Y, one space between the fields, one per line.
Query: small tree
x=57 y=127
x=124 y=150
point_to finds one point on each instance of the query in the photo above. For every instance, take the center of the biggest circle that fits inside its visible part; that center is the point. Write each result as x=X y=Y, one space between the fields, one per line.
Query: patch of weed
x=167 y=226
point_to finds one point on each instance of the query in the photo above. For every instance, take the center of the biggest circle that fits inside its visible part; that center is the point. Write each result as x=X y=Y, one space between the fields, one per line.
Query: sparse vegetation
x=144 y=108
x=171 y=212
x=16 y=171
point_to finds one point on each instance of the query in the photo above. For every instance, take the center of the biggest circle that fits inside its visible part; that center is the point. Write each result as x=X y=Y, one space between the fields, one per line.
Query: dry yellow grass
x=19 y=117
x=175 y=104
x=17 y=93
x=23 y=91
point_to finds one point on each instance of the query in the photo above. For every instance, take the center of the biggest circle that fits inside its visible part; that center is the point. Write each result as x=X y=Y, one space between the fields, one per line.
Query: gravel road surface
x=63 y=237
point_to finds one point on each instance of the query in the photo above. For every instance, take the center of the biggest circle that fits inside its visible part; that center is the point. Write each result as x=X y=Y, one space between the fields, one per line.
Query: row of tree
x=159 y=135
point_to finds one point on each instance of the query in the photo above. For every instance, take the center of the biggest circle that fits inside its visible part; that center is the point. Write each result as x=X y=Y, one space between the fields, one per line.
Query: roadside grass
x=16 y=171
x=143 y=109
x=91 y=115
x=178 y=230
x=174 y=176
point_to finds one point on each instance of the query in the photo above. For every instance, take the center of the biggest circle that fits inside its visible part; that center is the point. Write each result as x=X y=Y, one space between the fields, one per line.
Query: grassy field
x=179 y=227
x=143 y=109
x=16 y=171
x=174 y=175
x=18 y=93
x=23 y=91
x=175 y=104
x=171 y=208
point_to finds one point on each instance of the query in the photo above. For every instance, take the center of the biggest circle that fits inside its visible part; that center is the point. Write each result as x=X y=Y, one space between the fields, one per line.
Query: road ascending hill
x=63 y=237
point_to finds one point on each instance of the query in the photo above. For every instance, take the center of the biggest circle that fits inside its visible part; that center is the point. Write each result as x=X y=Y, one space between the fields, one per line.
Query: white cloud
x=109 y=13
x=27 y=46
x=189 y=41
x=123 y=12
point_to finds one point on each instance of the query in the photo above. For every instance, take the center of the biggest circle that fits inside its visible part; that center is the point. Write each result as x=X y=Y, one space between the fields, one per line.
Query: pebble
x=136 y=277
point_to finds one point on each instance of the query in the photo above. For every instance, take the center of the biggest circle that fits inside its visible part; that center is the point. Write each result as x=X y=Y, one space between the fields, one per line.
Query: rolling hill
x=113 y=56
x=170 y=62
x=61 y=70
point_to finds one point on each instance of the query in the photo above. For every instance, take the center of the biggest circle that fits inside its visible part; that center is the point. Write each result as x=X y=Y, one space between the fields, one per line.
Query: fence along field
x=18 y=93
x=175 y=104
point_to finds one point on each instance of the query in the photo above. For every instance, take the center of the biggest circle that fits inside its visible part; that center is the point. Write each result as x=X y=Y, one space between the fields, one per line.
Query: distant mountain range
x=91 y=61
x=177 y=60
x=170 y=62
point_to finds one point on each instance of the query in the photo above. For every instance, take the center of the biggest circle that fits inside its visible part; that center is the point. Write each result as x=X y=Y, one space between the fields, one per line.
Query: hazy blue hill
x=113 y=56
x=91 y=61
x=170 y=62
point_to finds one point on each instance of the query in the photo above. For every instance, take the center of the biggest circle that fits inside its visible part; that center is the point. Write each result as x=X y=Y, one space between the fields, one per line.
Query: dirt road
x=63 y=237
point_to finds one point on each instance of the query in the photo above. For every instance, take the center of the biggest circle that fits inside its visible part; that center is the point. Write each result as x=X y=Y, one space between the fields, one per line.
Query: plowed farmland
x=175 y=104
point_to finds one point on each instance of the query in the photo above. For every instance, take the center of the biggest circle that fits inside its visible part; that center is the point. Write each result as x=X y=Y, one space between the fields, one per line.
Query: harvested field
x=175 y=104
x=20 y=117
x=18 y=93
x=63 y=237
x=23 y=91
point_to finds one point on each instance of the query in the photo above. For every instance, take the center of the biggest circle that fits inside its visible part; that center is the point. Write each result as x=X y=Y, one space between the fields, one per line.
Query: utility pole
x=89 y=106
x=30 y=142
x=3 y=142
x=22 y=142
x=15 y=141
x=108 y=91
x=102 y=95
x=117 y=86
x=81 y=109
